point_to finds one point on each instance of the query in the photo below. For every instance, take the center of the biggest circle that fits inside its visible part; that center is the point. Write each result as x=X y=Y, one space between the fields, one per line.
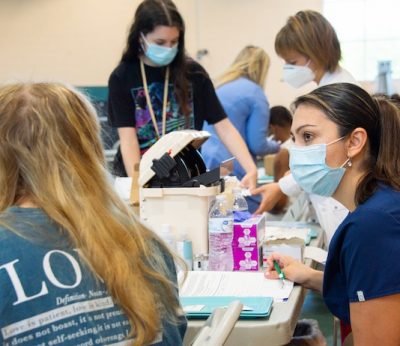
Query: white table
x=278 y=328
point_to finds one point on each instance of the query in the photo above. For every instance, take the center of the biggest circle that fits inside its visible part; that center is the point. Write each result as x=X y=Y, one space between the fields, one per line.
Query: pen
x=281 y=274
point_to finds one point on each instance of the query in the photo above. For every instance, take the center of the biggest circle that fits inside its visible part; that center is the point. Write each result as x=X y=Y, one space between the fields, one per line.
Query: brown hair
x=349 y=107
x=51 y=153
x=148 y=15
x=311 y=35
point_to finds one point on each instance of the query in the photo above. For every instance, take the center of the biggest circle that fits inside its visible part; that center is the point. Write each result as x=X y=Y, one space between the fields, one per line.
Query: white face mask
x=297 y=76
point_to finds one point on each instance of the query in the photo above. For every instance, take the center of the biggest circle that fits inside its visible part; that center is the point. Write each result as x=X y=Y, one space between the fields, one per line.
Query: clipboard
x=202 y=307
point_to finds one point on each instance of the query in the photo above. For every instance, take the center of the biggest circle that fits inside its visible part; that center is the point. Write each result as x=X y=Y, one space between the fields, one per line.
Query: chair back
x=219 y=325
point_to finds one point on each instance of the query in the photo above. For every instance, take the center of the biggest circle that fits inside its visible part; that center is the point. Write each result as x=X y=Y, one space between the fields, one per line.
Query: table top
x=279 y=327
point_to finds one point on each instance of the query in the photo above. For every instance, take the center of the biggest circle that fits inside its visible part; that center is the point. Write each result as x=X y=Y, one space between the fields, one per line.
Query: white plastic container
x=182 y=207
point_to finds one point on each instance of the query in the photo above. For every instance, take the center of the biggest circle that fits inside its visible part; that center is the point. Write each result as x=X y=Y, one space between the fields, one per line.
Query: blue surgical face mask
x=296 y=75
x=308 y=167
x=159 y=55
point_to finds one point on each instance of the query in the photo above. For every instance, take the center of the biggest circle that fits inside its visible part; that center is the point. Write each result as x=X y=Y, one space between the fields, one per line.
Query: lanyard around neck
x=148 y=100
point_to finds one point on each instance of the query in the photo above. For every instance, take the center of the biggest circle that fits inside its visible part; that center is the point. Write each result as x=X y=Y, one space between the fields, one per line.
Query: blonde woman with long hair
x=76 y=267
x=240 y=91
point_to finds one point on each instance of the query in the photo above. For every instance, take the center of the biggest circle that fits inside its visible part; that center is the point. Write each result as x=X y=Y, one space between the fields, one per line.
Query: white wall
x=80 y=42
x=71 y=40
x=226 y=26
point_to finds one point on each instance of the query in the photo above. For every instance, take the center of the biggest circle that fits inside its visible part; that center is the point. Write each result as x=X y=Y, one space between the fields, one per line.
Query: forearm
x=314 y=280
x=129 y=149
x=234 y=142
x=130 y=158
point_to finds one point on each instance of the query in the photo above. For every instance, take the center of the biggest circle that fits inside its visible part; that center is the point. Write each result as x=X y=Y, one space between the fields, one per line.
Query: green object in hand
x=278 y=269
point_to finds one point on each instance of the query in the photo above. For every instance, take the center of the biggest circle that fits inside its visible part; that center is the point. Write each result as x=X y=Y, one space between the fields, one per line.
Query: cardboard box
x=269 y=164
x=292 y=248
x=247 y=240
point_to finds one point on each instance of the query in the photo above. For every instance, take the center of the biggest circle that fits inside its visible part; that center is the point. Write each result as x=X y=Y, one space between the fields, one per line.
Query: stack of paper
x=238 y=284
x=274 y=233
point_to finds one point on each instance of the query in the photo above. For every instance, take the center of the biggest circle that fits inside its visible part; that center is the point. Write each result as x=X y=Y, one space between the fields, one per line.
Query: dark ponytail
x=387 y=163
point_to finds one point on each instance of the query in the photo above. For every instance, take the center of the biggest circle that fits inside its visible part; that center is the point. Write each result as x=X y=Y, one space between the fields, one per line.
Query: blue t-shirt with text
x=48 y=296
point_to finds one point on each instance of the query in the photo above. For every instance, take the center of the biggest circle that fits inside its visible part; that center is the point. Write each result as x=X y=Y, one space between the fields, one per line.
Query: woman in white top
x=309 y=45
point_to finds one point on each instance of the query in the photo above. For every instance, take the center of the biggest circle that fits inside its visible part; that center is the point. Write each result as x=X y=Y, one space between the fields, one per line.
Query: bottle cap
x=220 y=197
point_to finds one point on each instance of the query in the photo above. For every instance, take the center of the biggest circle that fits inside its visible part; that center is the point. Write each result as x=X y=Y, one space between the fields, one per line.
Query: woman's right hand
x=271 y=194
x=293 y=269
x=249 y=180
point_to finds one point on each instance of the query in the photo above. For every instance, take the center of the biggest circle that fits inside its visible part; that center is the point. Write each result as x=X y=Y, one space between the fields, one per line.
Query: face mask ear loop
x=144 y=44
x=336 y=140
x=347 y=163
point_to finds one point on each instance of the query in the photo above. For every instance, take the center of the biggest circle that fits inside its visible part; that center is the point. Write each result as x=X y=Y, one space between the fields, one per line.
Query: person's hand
x=293 y=269
x=249 y=180
x=271 y=194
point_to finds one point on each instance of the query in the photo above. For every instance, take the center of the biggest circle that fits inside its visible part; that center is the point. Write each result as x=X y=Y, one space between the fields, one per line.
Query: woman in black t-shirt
x=156 y=89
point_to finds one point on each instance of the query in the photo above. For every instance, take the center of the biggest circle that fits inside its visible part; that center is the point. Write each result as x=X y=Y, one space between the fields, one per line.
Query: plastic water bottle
x=239 y=202
x=220 y=233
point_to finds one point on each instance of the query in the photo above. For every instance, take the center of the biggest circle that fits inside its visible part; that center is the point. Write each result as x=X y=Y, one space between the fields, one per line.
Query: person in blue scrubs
x=346 y=146
x=240 y=91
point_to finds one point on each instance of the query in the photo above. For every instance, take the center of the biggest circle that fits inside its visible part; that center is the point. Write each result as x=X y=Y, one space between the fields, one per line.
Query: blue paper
x=254 y=306
x=240 y=216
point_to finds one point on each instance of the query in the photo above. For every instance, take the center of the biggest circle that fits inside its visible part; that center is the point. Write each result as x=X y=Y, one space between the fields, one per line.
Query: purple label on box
x=247 y=239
